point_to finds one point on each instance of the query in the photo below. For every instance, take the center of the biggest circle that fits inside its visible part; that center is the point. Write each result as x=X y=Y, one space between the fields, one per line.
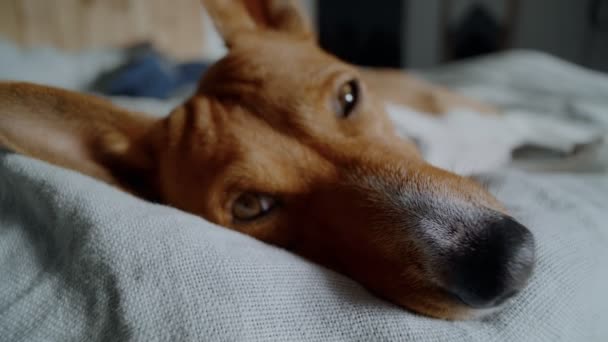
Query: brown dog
x=287 y=144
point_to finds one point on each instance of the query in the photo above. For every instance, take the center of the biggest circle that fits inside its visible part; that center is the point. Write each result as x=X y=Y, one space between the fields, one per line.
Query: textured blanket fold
x=80 y=260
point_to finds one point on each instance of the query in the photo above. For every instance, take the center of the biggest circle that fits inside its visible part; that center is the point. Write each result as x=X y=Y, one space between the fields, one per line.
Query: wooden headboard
x=174 y=26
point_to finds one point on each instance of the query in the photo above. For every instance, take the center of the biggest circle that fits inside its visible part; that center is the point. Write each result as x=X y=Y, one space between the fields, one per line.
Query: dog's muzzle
x=491 y=266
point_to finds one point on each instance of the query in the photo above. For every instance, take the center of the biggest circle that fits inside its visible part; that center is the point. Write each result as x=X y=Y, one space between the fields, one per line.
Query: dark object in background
x=147 y=73
x=478 y=32
x=598 y=15
x=596 y=47
x=363 y=32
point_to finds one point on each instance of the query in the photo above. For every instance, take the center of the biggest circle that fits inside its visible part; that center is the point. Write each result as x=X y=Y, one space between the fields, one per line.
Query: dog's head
x=286 y=143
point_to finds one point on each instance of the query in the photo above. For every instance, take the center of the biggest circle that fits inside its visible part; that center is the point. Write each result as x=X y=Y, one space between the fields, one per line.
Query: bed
x=80 y=260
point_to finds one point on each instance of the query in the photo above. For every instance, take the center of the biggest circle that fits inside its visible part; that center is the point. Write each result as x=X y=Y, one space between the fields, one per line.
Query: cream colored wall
x=180 y=28
x=173 y=26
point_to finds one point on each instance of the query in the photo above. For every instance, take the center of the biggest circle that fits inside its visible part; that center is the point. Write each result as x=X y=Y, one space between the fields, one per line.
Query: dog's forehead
x=289 y=83
x=281 y=51
x=287 y=88
x=272 y=67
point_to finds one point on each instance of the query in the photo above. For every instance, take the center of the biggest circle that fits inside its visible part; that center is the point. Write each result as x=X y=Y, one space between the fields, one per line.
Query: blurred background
x=397 y=33
x=418 y=34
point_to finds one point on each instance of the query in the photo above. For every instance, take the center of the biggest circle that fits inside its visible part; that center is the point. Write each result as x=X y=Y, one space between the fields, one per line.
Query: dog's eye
x=348 y=95
x=250 y=206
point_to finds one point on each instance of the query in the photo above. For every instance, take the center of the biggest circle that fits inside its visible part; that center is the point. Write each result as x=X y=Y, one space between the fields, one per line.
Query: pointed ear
x=82 y=133
x=232 y=17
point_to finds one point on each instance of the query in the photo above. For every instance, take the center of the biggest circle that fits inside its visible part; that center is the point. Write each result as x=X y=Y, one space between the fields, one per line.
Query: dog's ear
x=81 y=132
x=232 y=17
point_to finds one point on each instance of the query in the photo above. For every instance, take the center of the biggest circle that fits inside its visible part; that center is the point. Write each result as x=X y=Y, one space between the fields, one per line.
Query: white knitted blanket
x=81 y=261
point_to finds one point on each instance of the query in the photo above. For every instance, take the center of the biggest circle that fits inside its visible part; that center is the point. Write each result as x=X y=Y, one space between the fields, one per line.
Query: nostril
x=493 y=266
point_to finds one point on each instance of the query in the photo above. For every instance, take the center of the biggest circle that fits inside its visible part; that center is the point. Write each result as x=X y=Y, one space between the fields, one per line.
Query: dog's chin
x=458 y=313
x=451 y=310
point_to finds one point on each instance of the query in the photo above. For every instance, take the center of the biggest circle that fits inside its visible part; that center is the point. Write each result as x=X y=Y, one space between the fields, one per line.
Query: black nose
x=493 y=264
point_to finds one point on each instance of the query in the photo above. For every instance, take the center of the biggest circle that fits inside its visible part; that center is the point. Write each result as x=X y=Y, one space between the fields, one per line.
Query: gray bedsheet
x=81 y=261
